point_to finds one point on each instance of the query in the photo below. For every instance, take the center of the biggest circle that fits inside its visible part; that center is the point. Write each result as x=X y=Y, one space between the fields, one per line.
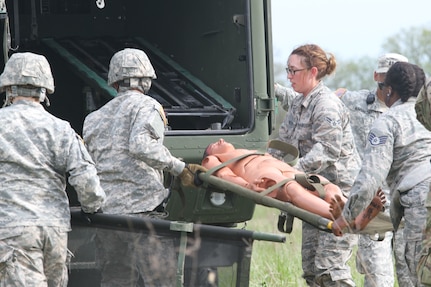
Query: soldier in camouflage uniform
x=125 y=138
x=317 y=123
x=423 y=113
x=398 y=150
x=373 y=257
x=37 y=150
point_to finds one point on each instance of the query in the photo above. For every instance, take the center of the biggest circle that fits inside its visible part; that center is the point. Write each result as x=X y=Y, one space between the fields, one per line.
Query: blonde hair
x=314 y=56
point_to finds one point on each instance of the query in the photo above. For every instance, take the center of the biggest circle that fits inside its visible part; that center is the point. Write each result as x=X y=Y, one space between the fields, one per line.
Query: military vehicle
x=213 y=60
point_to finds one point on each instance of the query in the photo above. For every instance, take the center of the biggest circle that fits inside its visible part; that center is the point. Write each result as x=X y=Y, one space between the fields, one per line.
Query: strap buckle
x=285 y=222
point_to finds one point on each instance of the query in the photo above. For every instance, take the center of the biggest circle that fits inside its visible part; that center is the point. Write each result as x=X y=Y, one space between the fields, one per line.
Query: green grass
x=279 y=264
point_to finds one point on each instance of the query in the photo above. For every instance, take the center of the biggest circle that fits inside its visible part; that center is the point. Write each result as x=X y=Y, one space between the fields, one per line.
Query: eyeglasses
x=381 y=85
x=292 y=72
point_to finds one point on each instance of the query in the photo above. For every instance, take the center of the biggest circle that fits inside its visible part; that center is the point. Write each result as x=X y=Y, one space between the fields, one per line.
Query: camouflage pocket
x=424 y=269
x=9 y=271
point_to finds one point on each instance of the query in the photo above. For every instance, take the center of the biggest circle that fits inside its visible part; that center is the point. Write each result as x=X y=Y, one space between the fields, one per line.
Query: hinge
x=264 y=105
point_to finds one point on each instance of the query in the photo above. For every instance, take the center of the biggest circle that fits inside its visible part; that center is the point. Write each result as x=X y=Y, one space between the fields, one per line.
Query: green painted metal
x=185 y=73
x=88 y=75
x=222 y=47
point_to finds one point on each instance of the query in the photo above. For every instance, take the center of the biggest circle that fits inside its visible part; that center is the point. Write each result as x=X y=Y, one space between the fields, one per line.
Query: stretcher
x=380 y=224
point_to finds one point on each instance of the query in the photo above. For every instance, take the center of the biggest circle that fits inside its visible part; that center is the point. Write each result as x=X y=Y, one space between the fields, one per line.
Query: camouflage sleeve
x=284 y=95
x=375 y=167
x=352 y=98
x=146 y=142
x=83 y=176
x=423 y=106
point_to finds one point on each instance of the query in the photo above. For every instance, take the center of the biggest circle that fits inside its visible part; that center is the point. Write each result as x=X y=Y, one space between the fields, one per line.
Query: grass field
x=279 y=264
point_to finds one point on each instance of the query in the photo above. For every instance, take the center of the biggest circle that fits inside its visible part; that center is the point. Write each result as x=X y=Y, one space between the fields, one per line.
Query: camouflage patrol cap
x=23 y=69
x=387 y=60
x=130 y=63
x=423 y=105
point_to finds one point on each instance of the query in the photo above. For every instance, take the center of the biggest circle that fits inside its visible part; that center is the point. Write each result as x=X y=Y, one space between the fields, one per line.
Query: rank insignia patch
x=377 y=140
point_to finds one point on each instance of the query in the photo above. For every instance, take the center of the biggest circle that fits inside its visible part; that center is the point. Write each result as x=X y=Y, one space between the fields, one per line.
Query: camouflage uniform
x=373 y=257
x=125 y=138
x=398 y=150
x=423 y=113
x=36 y=151
x=424 y=266
x=319 y=126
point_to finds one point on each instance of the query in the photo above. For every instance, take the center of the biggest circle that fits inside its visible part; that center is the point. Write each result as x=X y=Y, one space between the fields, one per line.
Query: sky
x=349 y=29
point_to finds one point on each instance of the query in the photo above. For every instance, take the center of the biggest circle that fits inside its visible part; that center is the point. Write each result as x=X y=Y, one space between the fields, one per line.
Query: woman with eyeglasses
x=317 y=123
x=398 y=150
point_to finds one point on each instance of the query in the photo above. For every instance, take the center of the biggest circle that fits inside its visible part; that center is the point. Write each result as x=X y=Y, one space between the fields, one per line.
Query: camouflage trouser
x=33 y=256
x=374 y=260
x=135 y=259
x=408 y=240
x=325 y=256
x=424 y=266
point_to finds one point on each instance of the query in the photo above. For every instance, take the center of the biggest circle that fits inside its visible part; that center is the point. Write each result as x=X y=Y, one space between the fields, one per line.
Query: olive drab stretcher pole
x=311 y=218
x=378 y=226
